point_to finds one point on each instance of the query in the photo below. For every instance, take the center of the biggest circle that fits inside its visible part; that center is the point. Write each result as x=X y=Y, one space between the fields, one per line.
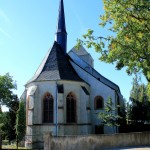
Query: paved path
x=133 y=148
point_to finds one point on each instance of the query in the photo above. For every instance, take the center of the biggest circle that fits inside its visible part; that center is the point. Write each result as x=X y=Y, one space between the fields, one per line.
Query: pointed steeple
x=61 y=34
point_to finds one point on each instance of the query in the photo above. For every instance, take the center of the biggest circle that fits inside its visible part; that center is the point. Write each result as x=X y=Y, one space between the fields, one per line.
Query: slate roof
x=92 y=71
x=61 y=34
x=61 y=18
x=55 y=66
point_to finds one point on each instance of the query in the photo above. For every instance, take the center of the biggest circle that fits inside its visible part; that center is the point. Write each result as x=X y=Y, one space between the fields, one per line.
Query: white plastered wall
x=36 y=118
x=97 y=88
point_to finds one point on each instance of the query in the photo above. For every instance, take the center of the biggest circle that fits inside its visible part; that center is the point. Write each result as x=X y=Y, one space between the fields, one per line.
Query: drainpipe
x=116 y=104
x=56 y=110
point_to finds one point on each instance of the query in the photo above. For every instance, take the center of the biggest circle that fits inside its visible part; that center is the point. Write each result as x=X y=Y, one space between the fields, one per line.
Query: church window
x=71 y=108
x=99 y=102
x=48 y=108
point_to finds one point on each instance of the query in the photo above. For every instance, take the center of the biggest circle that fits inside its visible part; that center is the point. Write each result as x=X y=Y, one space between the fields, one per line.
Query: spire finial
x=61 y=34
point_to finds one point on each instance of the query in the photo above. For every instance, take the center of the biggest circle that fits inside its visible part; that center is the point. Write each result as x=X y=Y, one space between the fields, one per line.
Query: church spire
x=61 y=34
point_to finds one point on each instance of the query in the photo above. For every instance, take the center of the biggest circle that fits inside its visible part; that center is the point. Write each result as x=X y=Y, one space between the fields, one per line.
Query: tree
x=122 y=111
x=3 y=119
x=7 y=123
x=10 y=120
x=129 y=45
x=6 y=86
x=0 y=109
x=108 y=117
x=139 y=103
x=20 y=122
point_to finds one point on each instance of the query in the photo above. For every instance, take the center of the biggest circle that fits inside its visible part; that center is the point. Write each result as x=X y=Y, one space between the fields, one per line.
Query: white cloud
x=4 y=16
x=6 y=34
x=5 y=23
x=79 y=20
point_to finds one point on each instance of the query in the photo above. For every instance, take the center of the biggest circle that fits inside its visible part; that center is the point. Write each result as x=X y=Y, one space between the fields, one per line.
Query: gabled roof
x=83 y=64
x=55 y=66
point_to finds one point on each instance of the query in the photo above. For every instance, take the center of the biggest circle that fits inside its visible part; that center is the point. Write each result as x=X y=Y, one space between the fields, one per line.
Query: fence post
x=47 y=141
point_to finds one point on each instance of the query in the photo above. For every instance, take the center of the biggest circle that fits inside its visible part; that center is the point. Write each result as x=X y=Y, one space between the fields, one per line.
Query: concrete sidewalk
x=132 y=148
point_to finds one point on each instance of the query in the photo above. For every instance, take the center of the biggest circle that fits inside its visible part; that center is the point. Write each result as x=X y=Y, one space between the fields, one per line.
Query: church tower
x=61 y=34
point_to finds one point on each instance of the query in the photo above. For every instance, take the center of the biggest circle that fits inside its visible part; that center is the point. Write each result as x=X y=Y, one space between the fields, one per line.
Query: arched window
x=71 y=108
x=98 y=102
x=48 y=108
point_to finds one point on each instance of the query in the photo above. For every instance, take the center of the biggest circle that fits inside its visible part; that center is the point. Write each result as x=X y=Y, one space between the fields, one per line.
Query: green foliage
x=9 y=120
x=6 y=86
x=0 y=109
x=122 y=111
x=21 y=121
x=3 y=119
x=109 y=116
x=139 y=107
x=148 y=90
x=129 y=44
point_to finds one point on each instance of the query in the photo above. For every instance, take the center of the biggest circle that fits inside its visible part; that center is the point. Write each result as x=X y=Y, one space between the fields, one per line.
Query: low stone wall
x=96 y=142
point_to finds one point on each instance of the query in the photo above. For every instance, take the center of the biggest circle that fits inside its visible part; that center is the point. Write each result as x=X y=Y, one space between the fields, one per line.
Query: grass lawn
x=11 y=147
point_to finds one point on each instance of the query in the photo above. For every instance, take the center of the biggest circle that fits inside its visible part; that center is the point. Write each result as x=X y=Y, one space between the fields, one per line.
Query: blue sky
x=27 y=31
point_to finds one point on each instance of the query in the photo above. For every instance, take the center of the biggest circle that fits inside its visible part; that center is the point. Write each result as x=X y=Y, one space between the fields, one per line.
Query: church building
x=66 y=93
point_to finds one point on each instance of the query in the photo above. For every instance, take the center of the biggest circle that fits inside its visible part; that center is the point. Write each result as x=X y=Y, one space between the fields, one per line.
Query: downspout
x=117 y=103
x=116 y=111
x=56 y=110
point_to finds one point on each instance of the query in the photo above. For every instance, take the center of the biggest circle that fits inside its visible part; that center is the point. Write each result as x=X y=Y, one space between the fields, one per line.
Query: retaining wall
x=96 y=142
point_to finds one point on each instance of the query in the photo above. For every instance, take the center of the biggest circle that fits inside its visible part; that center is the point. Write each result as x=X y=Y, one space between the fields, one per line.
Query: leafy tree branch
x=130 y=46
